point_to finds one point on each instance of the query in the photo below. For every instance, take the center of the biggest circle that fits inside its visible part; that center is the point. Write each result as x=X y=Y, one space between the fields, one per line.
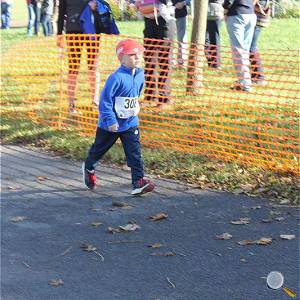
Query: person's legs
x=163 y=49
x=236 y=27
x=37 y=10
x=93 y=69
x=103 y=142
x=31 y=19
x=181 y=25
x=45 y=23
x=74 y=50
x=213 y=43
x=6 y=10
x=150 y=54
x=132 y=148
x=257 y=72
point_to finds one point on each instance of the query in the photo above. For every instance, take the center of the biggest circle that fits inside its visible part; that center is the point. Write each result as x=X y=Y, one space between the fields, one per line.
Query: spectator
x=181 y=26
x=263 y=11
x=31 y=17
x=215 y=15
x=46 y=15
x=157 y=47
x=6 y=10
x=240 y=21
x=118 y=118
x=69 y=22
x=37 y=5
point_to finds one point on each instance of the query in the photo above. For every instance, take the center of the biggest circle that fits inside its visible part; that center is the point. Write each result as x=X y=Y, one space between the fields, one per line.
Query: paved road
x=47 y=190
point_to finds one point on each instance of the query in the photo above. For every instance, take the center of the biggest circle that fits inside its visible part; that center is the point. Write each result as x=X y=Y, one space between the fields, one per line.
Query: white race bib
x=127 y=107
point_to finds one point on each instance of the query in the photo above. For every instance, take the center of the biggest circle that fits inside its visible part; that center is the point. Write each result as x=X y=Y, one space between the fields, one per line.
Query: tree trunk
x=196 y=55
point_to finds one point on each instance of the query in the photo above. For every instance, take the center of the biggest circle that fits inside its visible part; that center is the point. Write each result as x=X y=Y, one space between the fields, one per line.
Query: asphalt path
x=47 y=214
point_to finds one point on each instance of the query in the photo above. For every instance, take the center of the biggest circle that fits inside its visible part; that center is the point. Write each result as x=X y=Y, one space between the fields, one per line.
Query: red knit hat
x=128 y=46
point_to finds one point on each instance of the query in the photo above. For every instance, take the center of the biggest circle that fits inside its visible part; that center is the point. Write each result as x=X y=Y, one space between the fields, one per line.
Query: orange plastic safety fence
x=187 y=105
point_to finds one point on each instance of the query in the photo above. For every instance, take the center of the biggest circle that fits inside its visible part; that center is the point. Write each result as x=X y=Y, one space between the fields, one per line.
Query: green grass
x=197 y=170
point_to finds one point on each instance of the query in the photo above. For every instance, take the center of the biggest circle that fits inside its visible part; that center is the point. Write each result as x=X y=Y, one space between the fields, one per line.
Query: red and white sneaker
x=142 y=186
x=89 y=177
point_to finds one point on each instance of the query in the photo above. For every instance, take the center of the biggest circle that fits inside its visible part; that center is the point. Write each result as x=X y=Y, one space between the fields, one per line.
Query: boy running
x=118 y=109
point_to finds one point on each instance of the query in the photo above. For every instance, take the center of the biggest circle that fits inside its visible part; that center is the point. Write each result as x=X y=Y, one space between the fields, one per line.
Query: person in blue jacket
x=118 y=117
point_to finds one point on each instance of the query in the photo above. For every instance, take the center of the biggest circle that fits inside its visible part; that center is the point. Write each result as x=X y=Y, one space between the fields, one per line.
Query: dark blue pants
x=131 y=144
x=257 y=72
x=46 y=23
x=212 y=43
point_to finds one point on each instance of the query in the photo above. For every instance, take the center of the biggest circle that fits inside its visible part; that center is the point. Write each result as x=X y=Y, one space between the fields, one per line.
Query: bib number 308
x=130 y=103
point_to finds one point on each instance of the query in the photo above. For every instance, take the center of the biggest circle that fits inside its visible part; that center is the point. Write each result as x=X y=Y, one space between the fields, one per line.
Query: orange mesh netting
x=259 y=127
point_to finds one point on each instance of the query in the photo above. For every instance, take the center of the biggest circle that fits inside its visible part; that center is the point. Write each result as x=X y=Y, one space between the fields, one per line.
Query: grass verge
x=199 y=172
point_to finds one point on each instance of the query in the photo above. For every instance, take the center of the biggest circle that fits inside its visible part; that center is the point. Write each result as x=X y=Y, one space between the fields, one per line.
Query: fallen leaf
x=287 y=236
x=224 y=236
x=264 y=241
x=42 y=178
x=19 y=219
x=267 y=220
x=155 y=245
x=243 y=260
x=113 y=230
x=158 y=217
x=246 y=242
x=56 y=282
x=241 y=221
x=256 y=207
x=88 y=247
x=122 y=205
x=96 y=224
x=170 y=253
x=285 y=201
x=279 y=219
x=130 y=227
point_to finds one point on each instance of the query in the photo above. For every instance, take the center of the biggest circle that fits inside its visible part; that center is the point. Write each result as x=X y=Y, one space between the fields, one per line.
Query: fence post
x=61 y=60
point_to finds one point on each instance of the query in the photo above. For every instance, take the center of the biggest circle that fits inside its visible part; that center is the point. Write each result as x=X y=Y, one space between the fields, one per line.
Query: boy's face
x=132 y=60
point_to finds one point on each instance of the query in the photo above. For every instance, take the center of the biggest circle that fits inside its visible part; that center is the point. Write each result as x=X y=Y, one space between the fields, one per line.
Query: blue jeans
x=5 y=15
x=37 y=22
x=31 y=19
x=46 y=23
x=257 y=72
x=212 y=43
x=241 y=29
x=181 y=26
x=131 y=144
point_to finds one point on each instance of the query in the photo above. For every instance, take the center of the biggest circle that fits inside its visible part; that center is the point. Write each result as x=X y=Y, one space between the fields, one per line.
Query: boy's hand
x=114 y=127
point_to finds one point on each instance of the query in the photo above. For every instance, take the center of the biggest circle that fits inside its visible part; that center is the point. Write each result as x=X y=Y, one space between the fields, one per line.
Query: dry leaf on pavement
x=155 y=245
x=224 y=236
x=96 y=224
x=56 y=282
x=130 y=227
x=158 y=217
x=88 y=247
x=241 y=221
x=170 y=253
x=122 y=205
x=287 y=236
x=264 y=241
x=18 y=219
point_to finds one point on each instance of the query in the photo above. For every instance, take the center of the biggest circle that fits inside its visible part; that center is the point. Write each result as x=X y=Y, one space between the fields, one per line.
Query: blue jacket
x=106 y=22
x=121 y=83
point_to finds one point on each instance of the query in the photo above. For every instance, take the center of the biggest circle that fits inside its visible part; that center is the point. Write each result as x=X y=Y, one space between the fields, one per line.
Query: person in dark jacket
x=215 y=15
x=157 y=49
x=68 y=21
x=240 y=21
